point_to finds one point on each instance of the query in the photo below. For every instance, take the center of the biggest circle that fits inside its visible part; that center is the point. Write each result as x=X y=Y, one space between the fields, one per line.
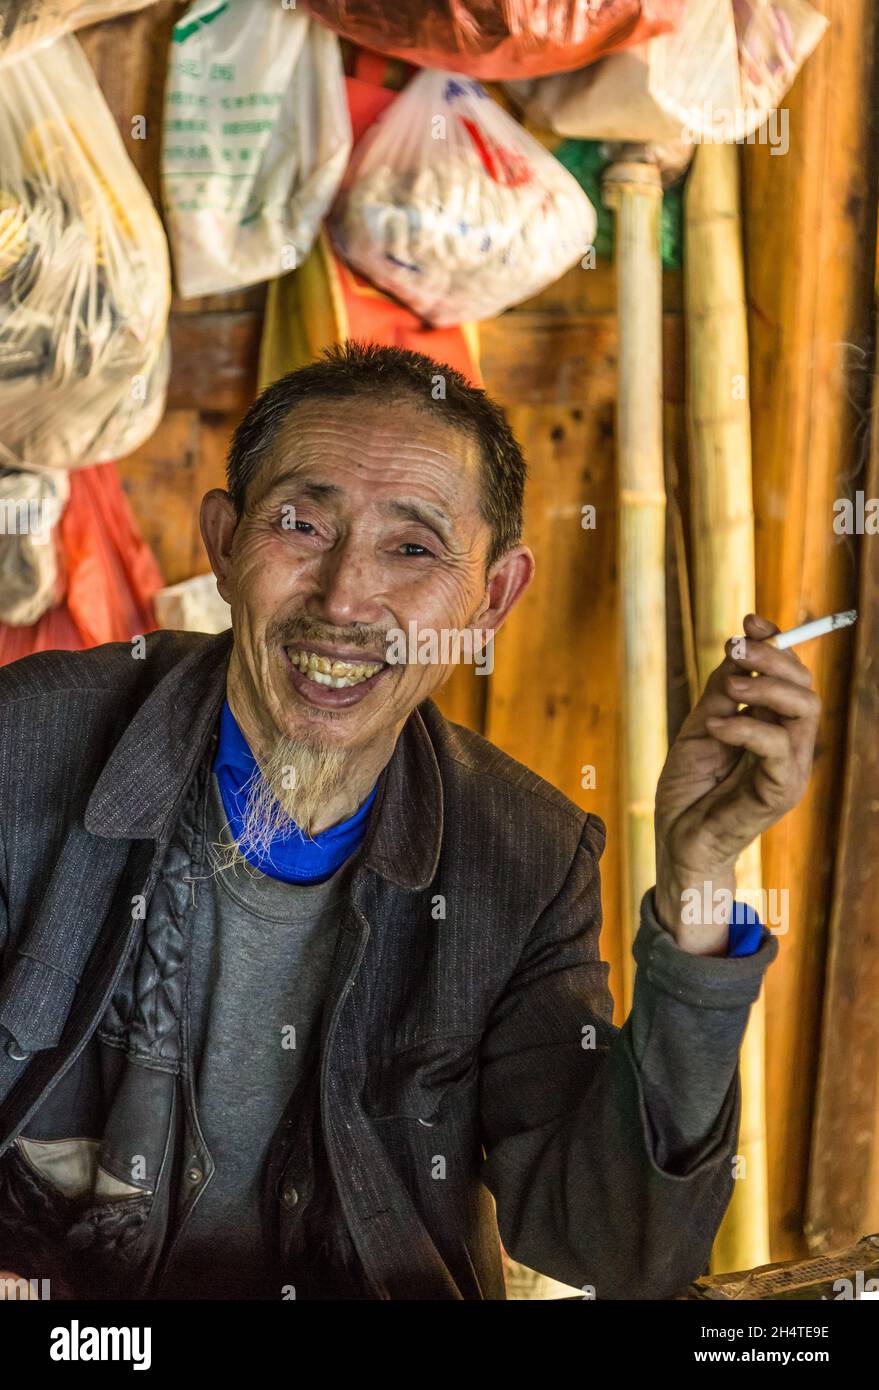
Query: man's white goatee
x=295 y=783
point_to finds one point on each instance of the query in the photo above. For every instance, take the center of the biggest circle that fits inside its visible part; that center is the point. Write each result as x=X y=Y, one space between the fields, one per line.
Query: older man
x=297 y=976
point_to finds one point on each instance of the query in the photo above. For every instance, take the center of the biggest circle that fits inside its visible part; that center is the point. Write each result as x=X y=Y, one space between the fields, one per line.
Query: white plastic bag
x=255 y=142
x=31 y=580
x=194 y=605
x=25 y=24
x=454 y=208
x=774 y=41
x=717 y=78
x=84 y=276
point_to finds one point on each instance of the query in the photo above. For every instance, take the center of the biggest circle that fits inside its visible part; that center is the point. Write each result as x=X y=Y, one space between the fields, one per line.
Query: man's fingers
x=757 y=626
x=782 y=697
x=769 y=741
x=750 y=655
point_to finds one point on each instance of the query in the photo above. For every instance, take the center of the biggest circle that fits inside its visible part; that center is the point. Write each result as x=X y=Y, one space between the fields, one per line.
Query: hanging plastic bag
x=774 y=41
x=498 y=39
x=325 y=301
x=27 y=24
x=84 y=275
x=31 y=579
x=716 y=78
x=255 y=143
x=454 y=208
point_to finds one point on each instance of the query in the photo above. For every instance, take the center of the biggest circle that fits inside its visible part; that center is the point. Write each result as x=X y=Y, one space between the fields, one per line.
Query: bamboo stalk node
x=641 y=176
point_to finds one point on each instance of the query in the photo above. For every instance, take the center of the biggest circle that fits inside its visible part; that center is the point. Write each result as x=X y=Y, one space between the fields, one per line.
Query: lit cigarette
x=807 y=631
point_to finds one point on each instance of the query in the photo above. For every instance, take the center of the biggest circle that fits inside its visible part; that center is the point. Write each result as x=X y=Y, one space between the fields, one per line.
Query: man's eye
x=294 y=523
x=412 y=548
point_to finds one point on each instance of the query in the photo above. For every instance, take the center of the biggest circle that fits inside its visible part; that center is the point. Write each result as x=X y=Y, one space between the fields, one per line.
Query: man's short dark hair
x=391 y=374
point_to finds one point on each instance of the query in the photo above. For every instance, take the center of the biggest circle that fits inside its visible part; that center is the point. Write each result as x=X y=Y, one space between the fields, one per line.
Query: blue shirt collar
x=292 y=856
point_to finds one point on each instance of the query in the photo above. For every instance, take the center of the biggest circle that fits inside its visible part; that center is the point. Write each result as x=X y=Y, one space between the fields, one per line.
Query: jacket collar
x=145 y=779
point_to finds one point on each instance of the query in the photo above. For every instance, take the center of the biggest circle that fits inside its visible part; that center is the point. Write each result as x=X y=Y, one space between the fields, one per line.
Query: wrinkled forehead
x=373 y=443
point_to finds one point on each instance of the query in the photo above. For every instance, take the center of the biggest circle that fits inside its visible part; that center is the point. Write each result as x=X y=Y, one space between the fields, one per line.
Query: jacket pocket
x=86 y=1246
x=423 y=1081
x=73 y=1168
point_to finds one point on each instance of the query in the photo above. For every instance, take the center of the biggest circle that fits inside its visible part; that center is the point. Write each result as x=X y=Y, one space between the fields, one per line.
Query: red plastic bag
x=498 y=40
x=111 y=573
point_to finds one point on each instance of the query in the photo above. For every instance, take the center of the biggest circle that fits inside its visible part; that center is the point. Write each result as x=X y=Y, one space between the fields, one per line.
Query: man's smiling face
x=363 y=517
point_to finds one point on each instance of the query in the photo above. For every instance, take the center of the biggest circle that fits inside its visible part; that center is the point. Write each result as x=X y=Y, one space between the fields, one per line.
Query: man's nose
x=348 y=586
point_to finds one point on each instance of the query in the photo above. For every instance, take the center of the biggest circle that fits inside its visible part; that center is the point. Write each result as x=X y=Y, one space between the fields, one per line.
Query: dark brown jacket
x=466 y=1051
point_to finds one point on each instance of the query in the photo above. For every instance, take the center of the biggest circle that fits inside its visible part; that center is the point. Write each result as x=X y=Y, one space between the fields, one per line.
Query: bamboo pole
x=632 y=187
x=719 y=435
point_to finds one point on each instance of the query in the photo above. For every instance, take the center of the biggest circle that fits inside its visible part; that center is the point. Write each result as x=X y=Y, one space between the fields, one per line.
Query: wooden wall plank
x=214 y=358
x=463 y=698
x=844 y=1172
x=160 y=480
x=809 y=225
x=129 y=57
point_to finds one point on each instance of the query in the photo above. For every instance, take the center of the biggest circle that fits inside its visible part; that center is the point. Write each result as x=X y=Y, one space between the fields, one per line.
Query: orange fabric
x=374 y=317
x=367 y=98
x=112 y=575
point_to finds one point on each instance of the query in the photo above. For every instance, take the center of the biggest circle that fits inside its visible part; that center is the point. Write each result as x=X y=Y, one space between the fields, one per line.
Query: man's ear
x=506 y=582
x=218 y=522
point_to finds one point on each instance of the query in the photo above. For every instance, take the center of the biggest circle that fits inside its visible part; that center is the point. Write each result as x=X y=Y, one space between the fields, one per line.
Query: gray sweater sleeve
x=609 y=1151
x=686 y=1025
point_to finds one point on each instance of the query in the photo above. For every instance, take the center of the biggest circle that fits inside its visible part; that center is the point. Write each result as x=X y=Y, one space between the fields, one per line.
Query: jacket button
x=195 y=1175
x=289 y=1196
x=16 y=1051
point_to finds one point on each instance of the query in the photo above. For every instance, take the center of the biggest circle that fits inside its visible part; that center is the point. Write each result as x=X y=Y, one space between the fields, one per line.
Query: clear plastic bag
x=775 y=37
x=716 y=78
x=84 y=275
x=498 y=39
x=31 y=579
x=454 y=208
x=256 y=139
x=26 y=24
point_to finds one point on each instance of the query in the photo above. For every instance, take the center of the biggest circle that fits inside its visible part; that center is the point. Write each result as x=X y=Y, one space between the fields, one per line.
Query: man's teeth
x=335 y=673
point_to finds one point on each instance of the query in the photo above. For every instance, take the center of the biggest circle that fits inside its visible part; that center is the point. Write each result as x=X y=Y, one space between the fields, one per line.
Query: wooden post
x=719 y=420
x=633 y=189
